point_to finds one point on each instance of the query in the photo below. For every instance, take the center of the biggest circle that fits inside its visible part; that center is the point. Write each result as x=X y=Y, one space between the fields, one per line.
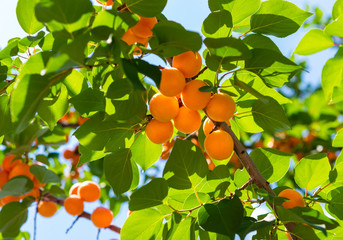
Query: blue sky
x=190 y=14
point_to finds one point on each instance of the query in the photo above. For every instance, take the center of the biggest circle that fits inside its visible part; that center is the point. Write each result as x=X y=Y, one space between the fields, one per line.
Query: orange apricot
x=221 y=107
x=172 y=82
x=102 y=217
x=108 y=3
x=295 y=198
x=89 y=191
x=68 y=154
x=3 y=178
x=73 y=205
x=74 y=189
x=8 y=163
x=191 y=96
x=8 y=199
x=47 y=208
x=21 y=169
x=187 y=120
x=159 y=132
x=219 y=145
x=143 y=27
x=207 y=126
x=130 y=38
x=189 y=63
x=163 y=108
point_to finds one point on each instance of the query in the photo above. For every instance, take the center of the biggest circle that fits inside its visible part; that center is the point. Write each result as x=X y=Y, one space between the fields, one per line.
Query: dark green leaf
x=250 y=224
x=336 y=201
x=89 y=100
x=17 y=186
x=5 y=120
x=218 y=24
x=12 y=216
x=146 y=8
x=260 y=41
x=119 y=88
x=44 y=175
x=26 y=16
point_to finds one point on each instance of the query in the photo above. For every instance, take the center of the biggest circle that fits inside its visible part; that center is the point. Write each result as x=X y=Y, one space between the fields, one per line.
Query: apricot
x=8 y=199
x=189 y=63
x=47 y=208
x=207 y=126
x=3 y=178
x=187 y=120
x=163 y=108
x=102 y=217
x=8 y=163
x=172 y=82
x=143 y=27
x=21 y=169
x=68 y=154
x=74 y=189
x=295 y=198
x=89 y=191
x=221 y=107
x=219 y=145
x=73 y=205
x=191 y=96
x=108 y=3
x=159 y=132
x=130 y=38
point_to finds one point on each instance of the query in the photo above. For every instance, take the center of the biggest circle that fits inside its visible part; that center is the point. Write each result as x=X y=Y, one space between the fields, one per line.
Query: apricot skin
x=187 y=120
x=191 y=96
x=219 y=145
x=47 y=208
x=189 y=63
x=73 y=205
x=295 y=198
x=89 y=191
x=159 y=132
x=143 y=27
x=207 y=126
x=221 y=107
x=102 y=217
x=172 y=82
x=163 y=108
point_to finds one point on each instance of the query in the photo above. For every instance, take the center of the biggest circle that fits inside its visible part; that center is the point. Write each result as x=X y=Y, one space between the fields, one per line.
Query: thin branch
x=247 y=184
x=199 y=73
x=73 y=223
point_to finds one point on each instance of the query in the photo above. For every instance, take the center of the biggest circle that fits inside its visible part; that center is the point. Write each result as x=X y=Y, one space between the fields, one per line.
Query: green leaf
x=260 y=41
x=5 y=120
x=186 y=166
x=171 y=39
x=88 y=101
x=337 y=9
x=145 y=152
x=224 y=217
x=279 y=18
x=274 y=68
x=11 y=49
x=218 y=24
x=336 y=200
x=51 y=110
x=150 y=195
x=312 y=171
x=216 y=63
x=75 y=83
x=35 y=64
x=26 y=16
x=119 y=170
x=16 y=186
x=142 y=225
x=334 y=28
x=31 y=41
x=119 y=88
x=3 y=72
x=184 y=230
x=44 y=175
x=12 y=216
x=230 y=49
x=146 y=8
x=332 y=79
x=338 y=140
x=88 y=155
x=241 y=177
x=240 y=9
x=314 y=41
x=250 y=224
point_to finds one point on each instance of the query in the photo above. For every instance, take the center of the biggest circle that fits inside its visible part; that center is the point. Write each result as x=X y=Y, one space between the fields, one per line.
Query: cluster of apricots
x=12 y=167
x=74 y=157
x=140 y=33
x=178 y=103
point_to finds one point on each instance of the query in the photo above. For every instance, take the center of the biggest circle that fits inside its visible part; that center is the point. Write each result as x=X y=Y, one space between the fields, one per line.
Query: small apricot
x=89 y=191
x=221 y=107
x=189 y=63
x=163 y=108
x=208 y=126
x=8 y=163
x=68 y=154
x=73 y=190
x=143 y=27
x=73 y=205
x=172 y=82
x=21 y=169
x=3 y=178
x=191 y=96
x=102 y=217
x=159 y=132
x=187 y=120
x=219 y=145
x=47 y=208
x=295 y=198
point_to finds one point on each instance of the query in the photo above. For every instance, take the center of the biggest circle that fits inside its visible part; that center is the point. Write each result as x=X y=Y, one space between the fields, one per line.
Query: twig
x=35 y=222
x=201 y=72
x=72 y=225
x=248 y=183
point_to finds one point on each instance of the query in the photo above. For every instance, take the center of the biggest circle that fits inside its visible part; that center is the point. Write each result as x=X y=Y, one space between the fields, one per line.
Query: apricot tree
x=212 y=119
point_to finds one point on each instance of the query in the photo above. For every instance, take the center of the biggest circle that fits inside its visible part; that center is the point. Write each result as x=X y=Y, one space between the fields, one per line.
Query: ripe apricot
x=73 y=205
x=143 y=27
x=21 y=169
x=130 y=38
x=102 y=217
x=172 y=82
x=187 y=120
x=191 y=96
x=68 y=154
x=221 y=107
x=73 y=190
x=47 y=208
x=189 y=63
x=8 y=163
x=207 y=126
x=295 y=198
x=163 y=108
x=3 y=178
x=159 y=132
x=89 y=191
x=8 y=199
x=219 y=145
